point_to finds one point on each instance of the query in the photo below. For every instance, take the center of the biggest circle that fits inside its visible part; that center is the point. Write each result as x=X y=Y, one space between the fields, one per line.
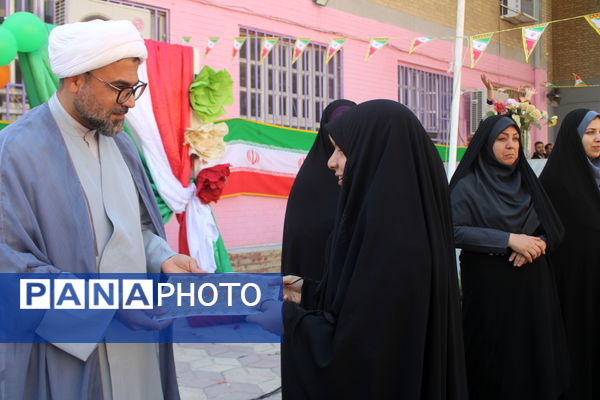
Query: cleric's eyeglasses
x=124 y=93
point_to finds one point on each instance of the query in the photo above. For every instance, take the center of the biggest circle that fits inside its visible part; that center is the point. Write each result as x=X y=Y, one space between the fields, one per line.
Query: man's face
x=539 y=148
x=96 y=102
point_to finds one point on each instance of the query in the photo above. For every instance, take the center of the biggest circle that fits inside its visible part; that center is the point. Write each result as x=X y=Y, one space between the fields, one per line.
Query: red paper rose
x=210 y=183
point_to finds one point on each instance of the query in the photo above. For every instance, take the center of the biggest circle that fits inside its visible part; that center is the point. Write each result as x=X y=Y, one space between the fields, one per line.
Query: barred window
x=429 y=96
x=280 y=93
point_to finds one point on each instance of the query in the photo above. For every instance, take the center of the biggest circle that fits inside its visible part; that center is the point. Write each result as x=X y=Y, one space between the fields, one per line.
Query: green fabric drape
x=165 y=212
x=221 y=257
x=40 y=82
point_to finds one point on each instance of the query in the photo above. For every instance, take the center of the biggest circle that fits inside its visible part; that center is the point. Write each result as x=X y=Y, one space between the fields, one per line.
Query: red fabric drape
x=170 y=74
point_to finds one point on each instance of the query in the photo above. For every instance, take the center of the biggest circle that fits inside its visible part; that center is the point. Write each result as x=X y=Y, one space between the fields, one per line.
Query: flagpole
x=454 y=113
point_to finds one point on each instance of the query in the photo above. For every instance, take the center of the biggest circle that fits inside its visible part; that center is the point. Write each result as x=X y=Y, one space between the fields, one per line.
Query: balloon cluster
x=21 y=32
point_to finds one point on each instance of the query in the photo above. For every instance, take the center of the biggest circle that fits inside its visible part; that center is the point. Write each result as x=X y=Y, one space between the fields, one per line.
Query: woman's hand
x=530 y=247
x=517 y=259
x=292 y=288
x=488 y=85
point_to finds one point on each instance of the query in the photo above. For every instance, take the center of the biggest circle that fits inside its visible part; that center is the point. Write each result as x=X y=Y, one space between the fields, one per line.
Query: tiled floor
x=215 y=371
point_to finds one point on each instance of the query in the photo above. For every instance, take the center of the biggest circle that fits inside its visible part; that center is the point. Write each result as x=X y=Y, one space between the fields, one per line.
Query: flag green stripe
x=287 y=139
x=268 y=135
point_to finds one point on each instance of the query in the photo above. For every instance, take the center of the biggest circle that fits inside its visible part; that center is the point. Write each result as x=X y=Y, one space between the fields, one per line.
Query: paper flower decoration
x=209 y=92
x=523 y=113
x=210 y=183
x=206 y=141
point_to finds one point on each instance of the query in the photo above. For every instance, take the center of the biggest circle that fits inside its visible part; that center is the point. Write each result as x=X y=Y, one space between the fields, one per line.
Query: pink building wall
x=247 y=220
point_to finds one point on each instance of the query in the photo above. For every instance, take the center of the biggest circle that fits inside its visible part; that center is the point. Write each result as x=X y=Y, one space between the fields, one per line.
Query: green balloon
x=8 y=46
x=28 y=29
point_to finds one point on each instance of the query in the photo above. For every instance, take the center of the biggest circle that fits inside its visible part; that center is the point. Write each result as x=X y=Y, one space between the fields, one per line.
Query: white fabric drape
x=202 y=231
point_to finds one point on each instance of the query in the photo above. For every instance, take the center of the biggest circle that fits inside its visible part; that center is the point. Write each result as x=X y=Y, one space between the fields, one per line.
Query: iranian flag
x=267 y=46
x=531 y=36
x=238 y=42
x=264 y=158
x=299 y=48
x=418 y=41
x=375 y=45
x=578 y=81
x=212 y=42
x=478 y=45
x=334 y=46
x=594 y=21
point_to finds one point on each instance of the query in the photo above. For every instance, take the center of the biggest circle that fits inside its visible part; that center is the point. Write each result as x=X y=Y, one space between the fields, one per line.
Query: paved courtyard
x=228 y=371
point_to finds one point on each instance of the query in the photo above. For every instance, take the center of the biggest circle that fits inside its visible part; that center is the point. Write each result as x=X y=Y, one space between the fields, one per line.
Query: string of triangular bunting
x=477 y=43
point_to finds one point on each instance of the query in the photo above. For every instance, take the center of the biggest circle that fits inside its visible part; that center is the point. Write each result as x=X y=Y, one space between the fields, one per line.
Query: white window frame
x=429 y=96
x=280 y=93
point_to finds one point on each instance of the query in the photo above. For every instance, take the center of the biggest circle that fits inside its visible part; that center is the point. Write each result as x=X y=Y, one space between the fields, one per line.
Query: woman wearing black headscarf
x=311 y=205
x=504 y=222
x=385 y=323
x=571 y=179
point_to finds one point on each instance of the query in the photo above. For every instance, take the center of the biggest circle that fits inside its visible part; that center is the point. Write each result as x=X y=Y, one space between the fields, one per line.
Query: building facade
x=277 y=92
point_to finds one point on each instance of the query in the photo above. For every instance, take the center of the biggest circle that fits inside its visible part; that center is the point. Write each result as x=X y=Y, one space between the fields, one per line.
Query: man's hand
x=181 y=264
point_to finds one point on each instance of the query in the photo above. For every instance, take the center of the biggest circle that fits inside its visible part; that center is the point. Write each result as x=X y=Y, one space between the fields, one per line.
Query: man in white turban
x=74 y=199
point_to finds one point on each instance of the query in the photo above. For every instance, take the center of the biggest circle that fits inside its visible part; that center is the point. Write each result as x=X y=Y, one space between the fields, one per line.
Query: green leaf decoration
x=209 y=92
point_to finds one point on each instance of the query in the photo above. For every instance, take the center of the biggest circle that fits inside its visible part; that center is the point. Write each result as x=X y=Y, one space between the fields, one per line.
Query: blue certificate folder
x=91 y=308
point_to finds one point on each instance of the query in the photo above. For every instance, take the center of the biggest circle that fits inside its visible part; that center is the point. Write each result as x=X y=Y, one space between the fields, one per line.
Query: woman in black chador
x=311 y=206
x=384 y=322
x=504 y=223
x=571 y=178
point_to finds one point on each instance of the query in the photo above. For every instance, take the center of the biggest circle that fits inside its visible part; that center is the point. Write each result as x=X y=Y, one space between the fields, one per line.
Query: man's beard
x=93 y=117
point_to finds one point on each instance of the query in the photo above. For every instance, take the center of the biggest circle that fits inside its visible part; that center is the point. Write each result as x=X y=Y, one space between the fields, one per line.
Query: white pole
x=458 y=56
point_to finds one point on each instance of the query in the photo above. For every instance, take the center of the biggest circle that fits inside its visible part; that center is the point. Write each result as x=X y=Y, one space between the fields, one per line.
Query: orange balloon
x=4 y=76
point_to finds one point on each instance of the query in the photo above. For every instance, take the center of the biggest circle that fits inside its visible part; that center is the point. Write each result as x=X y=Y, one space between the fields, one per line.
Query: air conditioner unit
x=68 y=11
x=476 y=104
x=517 y=11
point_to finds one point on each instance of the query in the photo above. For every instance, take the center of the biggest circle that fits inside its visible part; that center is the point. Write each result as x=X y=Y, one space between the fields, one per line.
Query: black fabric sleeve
x=309 y=293
x=482 y=240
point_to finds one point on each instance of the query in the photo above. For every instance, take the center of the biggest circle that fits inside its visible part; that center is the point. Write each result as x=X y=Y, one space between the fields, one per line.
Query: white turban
x=85 y=46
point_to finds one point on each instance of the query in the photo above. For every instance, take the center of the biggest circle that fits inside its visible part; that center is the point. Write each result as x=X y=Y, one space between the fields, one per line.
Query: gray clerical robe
x=47 y=224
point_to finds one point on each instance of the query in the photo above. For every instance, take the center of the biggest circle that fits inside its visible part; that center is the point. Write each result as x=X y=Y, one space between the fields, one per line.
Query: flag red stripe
x=261 y=184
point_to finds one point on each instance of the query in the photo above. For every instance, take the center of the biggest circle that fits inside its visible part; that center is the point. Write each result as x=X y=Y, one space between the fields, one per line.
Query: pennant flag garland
x=299 y=48
x=531 y=36
x=594 y=21
x=375 y=45
x=334 y=46
x=186 y=40
x=478 y=45
x=416 y=42
x=578 y=81
x=267 y=46
x=238 y=42
x=210 y=44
